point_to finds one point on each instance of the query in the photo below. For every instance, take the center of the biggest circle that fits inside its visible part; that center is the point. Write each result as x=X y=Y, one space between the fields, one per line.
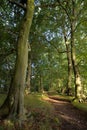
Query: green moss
x=81 y=106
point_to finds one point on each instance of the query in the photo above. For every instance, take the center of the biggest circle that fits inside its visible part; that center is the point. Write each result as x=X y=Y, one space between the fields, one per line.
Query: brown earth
x=70 y=117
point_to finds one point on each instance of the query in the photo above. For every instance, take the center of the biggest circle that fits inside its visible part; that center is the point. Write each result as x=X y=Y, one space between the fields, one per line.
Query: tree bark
x=68 y=51
x=78 y=84
x=41 y=83
x=15 y=99
x=28 y=81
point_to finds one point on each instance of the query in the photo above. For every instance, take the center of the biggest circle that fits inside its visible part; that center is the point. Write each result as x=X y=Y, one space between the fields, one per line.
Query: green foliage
x=48 y=54
x=2 y=98
x=10 y=17
x=48 y=51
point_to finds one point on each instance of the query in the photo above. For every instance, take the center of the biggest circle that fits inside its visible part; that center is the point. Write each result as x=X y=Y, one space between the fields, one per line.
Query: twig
x=18 y=4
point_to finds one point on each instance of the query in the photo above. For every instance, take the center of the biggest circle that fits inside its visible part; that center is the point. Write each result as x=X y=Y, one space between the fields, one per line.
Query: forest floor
x=70 y=117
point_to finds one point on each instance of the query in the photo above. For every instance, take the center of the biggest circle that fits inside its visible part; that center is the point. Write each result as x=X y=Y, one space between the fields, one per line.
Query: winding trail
x=71 y=118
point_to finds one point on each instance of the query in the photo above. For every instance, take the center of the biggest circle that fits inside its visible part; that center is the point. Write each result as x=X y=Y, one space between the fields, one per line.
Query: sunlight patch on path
x=69 y=116
x=55 y=101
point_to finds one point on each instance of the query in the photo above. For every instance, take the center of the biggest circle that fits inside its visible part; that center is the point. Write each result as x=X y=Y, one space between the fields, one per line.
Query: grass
x=75 y=103
x=62 y=97
x=80 y=106
x=40 y=115
x=36 y=101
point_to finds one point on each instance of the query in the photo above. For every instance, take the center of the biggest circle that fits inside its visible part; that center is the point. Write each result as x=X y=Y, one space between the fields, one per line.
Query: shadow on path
x=71 y=118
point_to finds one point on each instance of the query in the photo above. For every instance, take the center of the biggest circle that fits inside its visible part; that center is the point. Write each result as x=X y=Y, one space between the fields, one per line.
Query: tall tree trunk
x=78 y=85
x=68 y=89
x=41 y=83
x=28 y=81
x=15 y=99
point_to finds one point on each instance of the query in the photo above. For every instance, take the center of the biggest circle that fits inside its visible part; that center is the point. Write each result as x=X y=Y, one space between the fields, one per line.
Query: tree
x=50 y=41
x=68 y=51
x=78 y=84
x=14 y=103
x=72 y=15
x=65 y=30
x=28 y=80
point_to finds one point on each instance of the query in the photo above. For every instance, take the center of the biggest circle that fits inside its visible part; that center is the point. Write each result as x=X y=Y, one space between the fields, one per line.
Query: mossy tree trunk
x=72 y=15
x=69 y=69
x=78 y=84
x=68 y=52
x=14 y=103
x=41 y=89
x=28 y=81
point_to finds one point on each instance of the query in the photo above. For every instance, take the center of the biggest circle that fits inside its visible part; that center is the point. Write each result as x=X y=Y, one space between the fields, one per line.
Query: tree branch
x=18 y=4
x=65 y=9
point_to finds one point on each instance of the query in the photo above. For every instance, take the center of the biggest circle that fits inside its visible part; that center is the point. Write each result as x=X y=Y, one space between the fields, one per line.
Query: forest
x=43 y=63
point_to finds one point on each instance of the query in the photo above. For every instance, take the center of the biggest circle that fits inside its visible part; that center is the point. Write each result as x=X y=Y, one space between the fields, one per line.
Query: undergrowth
x=40 y=115
x=81 y=106
x=2 y=98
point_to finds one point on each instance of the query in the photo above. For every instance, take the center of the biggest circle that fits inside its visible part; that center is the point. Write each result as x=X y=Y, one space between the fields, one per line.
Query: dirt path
x=70 y=117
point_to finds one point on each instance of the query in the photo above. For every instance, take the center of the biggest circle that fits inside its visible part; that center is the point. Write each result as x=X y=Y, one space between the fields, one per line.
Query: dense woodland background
x=57 y=46
x=47 y=51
